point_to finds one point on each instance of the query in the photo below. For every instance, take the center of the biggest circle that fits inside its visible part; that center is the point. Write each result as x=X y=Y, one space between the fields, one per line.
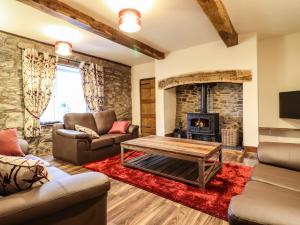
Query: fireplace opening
x=200 y=123
x=203 y=111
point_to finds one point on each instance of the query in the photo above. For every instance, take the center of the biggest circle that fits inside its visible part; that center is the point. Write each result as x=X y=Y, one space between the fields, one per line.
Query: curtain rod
x=63 y=59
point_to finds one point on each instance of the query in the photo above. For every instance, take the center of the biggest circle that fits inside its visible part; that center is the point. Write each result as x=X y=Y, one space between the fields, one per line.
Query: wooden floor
x=129 y=205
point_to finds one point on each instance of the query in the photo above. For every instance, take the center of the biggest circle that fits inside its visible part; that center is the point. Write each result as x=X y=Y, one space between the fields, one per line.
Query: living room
x=109 y=117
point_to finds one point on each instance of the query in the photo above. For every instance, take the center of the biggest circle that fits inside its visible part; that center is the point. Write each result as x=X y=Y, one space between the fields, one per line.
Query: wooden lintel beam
x=61 y=10
x=217 y=14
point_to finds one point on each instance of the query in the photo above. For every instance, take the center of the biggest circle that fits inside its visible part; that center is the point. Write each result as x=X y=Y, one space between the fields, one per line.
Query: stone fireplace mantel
x=226 y=76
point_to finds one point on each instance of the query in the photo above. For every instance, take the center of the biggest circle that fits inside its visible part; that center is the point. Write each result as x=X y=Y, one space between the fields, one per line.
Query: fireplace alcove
x=224 y=101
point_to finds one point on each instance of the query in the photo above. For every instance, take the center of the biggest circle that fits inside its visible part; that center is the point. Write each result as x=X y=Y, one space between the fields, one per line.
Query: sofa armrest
x=134 y=130
x=280 y=154
x=73 y=134
x=52 y=197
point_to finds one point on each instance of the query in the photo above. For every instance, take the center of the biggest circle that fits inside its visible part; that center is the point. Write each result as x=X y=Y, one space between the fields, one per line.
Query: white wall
x=279 y=70
x=211 y=56
x=139 y=72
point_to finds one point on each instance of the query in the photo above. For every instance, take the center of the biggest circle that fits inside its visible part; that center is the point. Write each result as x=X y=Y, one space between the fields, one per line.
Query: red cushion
x=119 y=127
x=9 y=144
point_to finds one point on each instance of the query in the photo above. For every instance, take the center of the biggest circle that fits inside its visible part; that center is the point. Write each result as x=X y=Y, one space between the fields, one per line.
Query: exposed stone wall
x=117 y=86
x=223 y=98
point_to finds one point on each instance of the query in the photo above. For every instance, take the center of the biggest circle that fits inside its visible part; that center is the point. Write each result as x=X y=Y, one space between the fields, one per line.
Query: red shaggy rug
x=214 y=200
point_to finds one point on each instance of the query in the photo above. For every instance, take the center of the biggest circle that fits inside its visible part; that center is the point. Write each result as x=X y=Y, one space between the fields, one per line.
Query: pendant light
x=63 y=48
x=129 y=20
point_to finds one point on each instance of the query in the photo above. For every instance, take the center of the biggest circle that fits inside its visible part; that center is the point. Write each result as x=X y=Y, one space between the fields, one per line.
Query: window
x=67 y=95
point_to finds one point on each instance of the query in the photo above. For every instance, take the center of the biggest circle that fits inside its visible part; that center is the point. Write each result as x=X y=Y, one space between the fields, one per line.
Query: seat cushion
x=81 y=119
x=118 y=138
x=56 y=173
x=104 y=120
x=264 y=203
x=281 y=177
x=101 y=142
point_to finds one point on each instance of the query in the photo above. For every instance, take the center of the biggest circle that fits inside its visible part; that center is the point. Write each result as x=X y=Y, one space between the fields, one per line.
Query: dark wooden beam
x=61 y=10
x=217 y=14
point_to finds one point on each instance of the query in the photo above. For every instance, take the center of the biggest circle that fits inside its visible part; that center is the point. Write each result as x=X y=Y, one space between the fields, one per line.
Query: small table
x=190 y=161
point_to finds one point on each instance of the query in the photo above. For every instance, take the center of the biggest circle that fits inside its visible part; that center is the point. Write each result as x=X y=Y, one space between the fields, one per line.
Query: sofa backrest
x=104 y=120
x=82 y=119
x=280 y=154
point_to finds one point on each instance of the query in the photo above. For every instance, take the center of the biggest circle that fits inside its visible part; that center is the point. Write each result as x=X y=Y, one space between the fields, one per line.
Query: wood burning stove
x=203 y=125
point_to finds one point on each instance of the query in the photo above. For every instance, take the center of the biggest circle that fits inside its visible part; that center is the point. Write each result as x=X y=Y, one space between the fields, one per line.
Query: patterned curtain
x=38 y=75
x=93 y=85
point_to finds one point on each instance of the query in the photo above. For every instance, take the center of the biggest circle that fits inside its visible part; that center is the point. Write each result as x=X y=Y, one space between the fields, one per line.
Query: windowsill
x=49 y=124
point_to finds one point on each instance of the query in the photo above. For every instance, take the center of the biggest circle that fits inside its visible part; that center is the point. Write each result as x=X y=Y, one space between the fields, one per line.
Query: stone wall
x=223 y=98
x=117 y=87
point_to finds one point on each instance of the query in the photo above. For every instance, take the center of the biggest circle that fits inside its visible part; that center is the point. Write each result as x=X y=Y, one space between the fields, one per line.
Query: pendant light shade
x=63 y=48
x=129 y=20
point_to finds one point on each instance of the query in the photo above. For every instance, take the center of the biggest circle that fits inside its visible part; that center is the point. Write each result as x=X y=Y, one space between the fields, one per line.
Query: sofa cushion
x=265 y=204
x=9 y=144
x=104 y=120
x=88 y=131
x=101 y=142
x=119 y=127
x=285 y=155
x=118 y=138
x=18 y=174
x=281 y=177
x=82 y=119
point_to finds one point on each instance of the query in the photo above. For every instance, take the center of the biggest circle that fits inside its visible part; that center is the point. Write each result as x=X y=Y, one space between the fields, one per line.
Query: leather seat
x=118 y=138
x=272 y=196
x=101 y=142
x=281 y=177
x=78 y=147
x=263 y=203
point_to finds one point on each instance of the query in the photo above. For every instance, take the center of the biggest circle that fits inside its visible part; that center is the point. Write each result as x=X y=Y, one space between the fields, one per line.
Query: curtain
x=93 y=85
x=38 y=75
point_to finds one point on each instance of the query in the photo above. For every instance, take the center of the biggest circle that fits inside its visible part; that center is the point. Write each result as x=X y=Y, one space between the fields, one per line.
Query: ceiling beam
x=217 y=14
x=63 y=11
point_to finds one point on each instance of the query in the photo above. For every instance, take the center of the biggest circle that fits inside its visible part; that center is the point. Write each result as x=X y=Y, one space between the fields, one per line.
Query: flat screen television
x=289 y=104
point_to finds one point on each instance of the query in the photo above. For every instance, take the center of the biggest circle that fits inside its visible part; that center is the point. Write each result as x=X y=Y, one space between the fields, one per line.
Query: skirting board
x=250 y=149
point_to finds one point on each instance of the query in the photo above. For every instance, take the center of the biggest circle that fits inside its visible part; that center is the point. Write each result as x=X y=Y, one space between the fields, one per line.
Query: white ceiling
x=167 y=25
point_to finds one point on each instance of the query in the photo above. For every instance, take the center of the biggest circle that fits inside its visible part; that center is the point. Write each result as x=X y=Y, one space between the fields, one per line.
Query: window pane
x=67 y=95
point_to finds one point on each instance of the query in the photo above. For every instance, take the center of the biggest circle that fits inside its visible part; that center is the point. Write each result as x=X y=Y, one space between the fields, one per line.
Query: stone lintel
x=225 y=76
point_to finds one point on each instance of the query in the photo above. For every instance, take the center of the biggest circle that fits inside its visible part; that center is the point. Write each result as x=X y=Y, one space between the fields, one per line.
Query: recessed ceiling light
x=62 y=33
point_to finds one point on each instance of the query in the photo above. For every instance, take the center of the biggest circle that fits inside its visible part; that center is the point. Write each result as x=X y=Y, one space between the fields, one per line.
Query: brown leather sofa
x=77 y=147
x=272 y=196
x=65 y=200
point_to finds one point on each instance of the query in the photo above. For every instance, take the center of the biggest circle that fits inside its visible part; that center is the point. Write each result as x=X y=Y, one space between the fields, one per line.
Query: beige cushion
x=86 y=130
x=19 y=173
x=281 y=177
x=104 y=120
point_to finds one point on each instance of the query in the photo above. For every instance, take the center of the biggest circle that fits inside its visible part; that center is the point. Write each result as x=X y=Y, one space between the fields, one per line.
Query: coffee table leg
x=201 y=173
x=122 y=155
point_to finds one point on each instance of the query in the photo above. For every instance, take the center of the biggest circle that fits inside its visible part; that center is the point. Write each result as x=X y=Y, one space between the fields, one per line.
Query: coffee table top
x=174 y=145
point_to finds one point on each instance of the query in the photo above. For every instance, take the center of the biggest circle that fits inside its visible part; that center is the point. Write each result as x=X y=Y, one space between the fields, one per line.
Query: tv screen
x=289 y=104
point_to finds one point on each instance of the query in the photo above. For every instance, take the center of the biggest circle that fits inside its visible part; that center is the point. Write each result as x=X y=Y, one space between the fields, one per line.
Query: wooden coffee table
x=191 y=161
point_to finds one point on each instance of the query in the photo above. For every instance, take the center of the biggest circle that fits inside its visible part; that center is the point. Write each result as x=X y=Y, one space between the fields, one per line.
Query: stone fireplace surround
x=227 y=87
